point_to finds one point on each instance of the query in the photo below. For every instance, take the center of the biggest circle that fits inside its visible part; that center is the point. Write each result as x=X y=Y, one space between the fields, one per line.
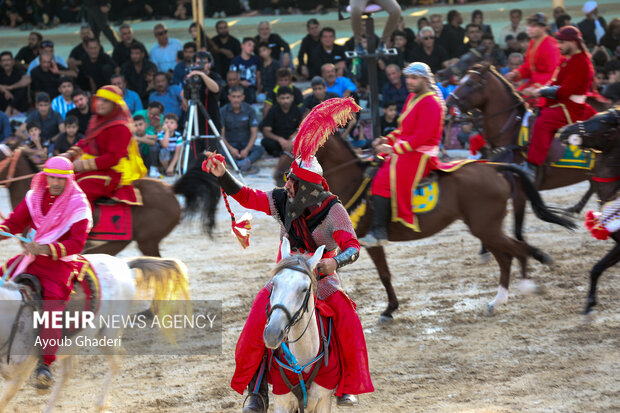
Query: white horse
x=293 y=314
x=120 y=282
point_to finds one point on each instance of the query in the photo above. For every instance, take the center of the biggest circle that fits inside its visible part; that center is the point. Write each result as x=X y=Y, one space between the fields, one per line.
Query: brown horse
x=601 y=133
x=475 y=194
x=152 y=221
x=483 y=88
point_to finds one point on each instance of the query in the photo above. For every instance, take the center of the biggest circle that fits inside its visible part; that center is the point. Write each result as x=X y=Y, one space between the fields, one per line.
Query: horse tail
x=167 y=280
x=545 y=213
x=202 y=193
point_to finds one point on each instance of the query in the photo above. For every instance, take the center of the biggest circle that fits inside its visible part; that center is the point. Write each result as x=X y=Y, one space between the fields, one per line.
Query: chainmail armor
x=336 y=220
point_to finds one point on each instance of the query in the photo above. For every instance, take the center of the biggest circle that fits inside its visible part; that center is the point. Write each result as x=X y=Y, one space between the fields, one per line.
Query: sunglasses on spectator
x=427 y=38
x=47 y=43
x=161 y=33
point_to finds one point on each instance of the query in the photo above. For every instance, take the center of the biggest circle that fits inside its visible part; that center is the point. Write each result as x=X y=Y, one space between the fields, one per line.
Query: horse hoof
x=490 y=310
x=588 y=317
x=385 y=319
x=484 y=258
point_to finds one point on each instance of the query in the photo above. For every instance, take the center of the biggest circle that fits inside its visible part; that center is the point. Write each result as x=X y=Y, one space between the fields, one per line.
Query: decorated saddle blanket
x=560 y=156
x=328 y=376
x=113 y=222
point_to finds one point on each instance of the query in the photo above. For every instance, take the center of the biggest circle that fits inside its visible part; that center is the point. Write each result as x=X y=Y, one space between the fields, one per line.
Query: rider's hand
x=510 y=76
x=217 y=168
x=78 y=166
x=327 y=266
x=385 y=148
x=35 y=248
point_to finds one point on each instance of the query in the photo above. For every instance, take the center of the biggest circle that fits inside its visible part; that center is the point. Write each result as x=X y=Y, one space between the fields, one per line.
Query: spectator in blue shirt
x=131 y=98
x=164 y=53
x=46 y=45
x=5 y=126
x=167 y=95
x=63 y=103
x=396 y=89
x=342 y=86
x=181 y=69
x=249 y=67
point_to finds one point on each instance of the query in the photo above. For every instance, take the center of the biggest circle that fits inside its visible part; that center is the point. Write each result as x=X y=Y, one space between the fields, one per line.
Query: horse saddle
x=85 y=296
x=563 y=156
x=112 y=221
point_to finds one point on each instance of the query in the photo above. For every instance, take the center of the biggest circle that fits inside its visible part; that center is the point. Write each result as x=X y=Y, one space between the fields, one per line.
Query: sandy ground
x=440 y=354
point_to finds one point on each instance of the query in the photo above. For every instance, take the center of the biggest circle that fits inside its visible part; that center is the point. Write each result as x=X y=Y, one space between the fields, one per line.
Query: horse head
x=294 y=284
x=471 y=92
x=470 y=58
x=598 y=133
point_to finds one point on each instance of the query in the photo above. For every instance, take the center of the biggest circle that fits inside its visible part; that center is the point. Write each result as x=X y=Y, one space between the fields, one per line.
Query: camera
x=200 y=58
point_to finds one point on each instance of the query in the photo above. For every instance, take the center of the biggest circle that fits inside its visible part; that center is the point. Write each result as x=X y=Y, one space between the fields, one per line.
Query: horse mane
x=347 y=145
x=487 y=67
x=295 y=260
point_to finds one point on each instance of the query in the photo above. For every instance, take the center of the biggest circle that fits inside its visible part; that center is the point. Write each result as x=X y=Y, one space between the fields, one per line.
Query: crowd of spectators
x=248 y=84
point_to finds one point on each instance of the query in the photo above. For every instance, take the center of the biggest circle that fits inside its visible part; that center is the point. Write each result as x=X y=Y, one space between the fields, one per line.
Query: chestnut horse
x=601 y=133
x=475 y=194
x=152 y=221
x=483 y=88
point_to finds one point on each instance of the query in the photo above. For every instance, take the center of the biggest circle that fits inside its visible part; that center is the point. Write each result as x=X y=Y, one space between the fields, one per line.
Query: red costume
x=565 y=105
x=108 y=158
x=415 y=142
x=334 y=231
x=314 y=217
x=541 y=60
x=63 y=233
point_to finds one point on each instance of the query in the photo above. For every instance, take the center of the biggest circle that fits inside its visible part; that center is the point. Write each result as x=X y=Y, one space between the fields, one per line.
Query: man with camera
x=203 y=85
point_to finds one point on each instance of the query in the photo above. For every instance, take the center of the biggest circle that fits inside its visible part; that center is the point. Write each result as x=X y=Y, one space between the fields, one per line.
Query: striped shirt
x=61 y=106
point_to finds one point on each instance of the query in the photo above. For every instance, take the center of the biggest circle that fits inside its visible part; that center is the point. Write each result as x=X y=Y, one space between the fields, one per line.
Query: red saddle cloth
x=113 y=222
x=86 y=293
x=328 y=376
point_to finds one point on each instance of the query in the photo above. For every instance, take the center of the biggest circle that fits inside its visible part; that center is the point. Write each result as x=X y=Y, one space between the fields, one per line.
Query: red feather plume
x=321 y=122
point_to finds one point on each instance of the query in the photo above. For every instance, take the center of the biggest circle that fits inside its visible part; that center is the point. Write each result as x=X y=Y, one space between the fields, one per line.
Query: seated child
x=69 y=137
x=170 y=143
x=388 y=119
x=32 y=146
x=146 y=144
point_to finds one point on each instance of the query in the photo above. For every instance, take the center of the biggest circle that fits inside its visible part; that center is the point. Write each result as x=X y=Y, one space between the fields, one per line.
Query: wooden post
x=198 y=14
x=373 y=83
x=557 y=3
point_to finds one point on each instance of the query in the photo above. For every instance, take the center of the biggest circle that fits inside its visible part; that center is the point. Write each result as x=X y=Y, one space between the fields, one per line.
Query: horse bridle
x=293 y=319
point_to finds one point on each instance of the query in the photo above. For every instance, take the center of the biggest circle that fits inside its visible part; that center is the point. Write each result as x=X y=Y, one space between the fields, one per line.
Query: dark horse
x=601 y=133
x=475 y=194
x=502 y=109
x=152 y=221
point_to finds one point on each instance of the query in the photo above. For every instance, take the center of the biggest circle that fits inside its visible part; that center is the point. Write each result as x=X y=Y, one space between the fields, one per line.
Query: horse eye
x=468 y=83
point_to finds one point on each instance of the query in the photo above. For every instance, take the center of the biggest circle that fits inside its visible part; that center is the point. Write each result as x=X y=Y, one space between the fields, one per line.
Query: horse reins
x=10 y=163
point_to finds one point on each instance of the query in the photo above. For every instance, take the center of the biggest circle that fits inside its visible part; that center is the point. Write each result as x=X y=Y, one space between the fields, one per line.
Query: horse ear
x=285 y=248
x=318 y=254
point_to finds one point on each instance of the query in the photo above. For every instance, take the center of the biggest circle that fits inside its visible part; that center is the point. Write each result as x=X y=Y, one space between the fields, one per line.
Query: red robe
x=574 y=79
x=540 y=63
x=56 y=276
x=100 y=180
x=414 y=142
x=347 y=326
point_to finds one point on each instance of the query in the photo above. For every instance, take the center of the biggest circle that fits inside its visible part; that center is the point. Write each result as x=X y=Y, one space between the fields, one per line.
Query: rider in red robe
x=57 y=209
x=565 y=96
x=410 y=148
x=108 y=161
x=541 y=59
x=309 y=216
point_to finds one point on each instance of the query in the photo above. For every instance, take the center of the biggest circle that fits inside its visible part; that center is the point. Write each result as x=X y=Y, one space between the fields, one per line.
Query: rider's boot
x=257 y=400
x=347 y=400
x=378 y=234
x=43 y=376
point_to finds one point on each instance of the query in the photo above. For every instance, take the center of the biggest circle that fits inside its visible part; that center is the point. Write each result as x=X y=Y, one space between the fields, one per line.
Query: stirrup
x=347 y=400
x=369 y=241
x=251 y=409
x=43 y=377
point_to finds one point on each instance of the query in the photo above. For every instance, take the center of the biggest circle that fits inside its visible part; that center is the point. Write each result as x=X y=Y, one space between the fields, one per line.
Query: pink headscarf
x=69 y=207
